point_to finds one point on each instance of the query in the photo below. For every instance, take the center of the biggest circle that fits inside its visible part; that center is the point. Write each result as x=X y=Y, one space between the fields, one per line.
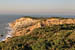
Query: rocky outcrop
x=24 y=26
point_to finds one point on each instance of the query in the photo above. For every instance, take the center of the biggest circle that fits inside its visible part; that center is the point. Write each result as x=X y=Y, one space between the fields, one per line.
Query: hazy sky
x=58 y=7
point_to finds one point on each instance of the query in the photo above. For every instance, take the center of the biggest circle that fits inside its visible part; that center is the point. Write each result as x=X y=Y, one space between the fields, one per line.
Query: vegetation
x=35 y=17
x=45 y=17
x=56 y=37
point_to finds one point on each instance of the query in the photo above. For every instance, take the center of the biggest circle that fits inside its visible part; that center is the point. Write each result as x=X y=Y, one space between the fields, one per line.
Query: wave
x=8 y=32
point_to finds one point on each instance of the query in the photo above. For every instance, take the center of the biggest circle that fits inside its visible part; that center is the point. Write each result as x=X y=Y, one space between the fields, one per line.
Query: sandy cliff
x=24 y=26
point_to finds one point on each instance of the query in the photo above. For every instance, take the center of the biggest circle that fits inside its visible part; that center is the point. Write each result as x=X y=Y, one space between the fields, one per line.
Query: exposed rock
x=1 y=35
x=24 y=26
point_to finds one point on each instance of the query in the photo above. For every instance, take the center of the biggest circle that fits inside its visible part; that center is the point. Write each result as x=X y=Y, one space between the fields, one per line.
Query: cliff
x=24 y=25
x=41 y=34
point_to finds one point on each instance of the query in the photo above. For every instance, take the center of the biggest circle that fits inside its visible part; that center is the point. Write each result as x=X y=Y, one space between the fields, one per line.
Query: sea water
x=5 y=30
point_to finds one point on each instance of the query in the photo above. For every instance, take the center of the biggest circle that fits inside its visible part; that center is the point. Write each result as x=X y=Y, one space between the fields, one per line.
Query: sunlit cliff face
x=23 y=26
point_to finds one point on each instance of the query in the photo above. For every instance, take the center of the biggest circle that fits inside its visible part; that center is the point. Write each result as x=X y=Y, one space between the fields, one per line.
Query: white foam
x=8 y=34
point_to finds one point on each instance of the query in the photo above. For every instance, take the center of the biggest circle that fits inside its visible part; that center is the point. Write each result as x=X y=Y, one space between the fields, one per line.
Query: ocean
x=5 y=19
x=4 y=27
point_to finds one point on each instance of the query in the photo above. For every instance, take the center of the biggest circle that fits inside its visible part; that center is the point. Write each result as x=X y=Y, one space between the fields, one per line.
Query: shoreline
x=8 y=34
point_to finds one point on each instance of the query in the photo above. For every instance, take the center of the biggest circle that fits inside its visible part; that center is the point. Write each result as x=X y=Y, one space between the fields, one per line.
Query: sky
x=44 y=7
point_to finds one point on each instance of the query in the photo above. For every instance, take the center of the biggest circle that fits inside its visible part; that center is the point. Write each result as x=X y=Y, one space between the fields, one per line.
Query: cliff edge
x=25 y=25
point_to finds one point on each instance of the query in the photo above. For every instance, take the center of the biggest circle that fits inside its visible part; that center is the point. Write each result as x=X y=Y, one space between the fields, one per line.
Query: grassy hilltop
x=54 y=37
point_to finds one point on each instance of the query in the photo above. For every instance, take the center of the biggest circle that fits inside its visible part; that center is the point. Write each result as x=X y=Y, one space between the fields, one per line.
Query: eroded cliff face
x=24 y=26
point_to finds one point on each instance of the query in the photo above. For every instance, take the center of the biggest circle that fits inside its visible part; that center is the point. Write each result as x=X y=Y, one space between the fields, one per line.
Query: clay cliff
x=24 y=25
